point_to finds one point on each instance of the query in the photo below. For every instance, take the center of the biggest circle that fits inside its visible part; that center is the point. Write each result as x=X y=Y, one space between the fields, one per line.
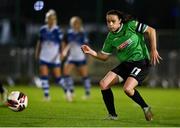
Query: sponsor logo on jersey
x=124 y=44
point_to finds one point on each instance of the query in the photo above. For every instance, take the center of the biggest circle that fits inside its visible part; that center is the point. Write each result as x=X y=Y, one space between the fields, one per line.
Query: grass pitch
x=58 y=112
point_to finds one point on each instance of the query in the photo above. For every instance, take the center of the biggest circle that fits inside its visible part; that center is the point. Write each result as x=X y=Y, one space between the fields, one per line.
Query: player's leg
x=68 y=81
x=83 y=71
x=129 y=89
x=137 y=75
x=44 y=72
x=116 y=75
x=3 y=93
x=1 y=88
x=107 y=94
x=58 y=76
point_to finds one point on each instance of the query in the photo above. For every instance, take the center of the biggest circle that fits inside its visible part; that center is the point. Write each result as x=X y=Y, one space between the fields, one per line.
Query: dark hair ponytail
x=121 y=15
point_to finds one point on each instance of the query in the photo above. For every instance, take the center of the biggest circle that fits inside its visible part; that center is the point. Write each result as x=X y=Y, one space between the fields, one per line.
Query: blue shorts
x=77 y=63
x=50 y=65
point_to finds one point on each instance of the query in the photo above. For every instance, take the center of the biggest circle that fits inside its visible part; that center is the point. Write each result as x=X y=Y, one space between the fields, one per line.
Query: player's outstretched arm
x=100 y=56
x=155 y=57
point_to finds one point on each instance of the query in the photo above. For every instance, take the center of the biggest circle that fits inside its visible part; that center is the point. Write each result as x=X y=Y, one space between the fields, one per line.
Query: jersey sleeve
x=107 y=47
x=138 y=26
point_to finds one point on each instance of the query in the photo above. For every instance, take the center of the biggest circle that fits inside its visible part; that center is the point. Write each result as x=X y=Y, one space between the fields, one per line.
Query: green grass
x=58 y=112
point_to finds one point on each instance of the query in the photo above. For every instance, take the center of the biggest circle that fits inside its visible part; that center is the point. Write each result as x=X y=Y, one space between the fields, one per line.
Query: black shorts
x=135 y=69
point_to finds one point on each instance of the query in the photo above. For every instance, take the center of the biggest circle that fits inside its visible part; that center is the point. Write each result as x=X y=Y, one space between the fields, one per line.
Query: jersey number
x=135 y=71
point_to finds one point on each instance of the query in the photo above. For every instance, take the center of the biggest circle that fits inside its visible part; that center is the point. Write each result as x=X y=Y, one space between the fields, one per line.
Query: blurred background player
x=48 y=51
x=74 y=38
x=3 y=93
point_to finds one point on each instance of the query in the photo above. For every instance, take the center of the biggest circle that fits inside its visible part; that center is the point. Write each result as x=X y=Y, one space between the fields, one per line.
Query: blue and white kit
x=75 y=40
x=50 y=40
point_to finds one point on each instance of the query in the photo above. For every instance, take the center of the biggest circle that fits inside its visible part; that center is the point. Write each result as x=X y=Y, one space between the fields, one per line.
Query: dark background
x=21 y=13
x=158 y=13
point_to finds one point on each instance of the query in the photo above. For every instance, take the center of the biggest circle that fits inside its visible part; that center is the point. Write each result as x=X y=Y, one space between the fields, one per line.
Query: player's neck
x=119 y=29
x=50 y=27
x=77 y=30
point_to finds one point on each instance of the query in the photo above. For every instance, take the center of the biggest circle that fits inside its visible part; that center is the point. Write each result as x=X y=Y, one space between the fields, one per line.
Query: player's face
x=52 y=20
x=113 y=22
x=76 y=25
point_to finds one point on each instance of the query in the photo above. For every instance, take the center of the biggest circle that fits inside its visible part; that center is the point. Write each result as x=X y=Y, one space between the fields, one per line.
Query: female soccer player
x=74 y=38
x=126 y=37
x=48 y=51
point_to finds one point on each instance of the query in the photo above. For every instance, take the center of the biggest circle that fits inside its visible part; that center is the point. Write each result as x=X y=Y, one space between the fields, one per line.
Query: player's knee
x=103 y=85
x=128 y=91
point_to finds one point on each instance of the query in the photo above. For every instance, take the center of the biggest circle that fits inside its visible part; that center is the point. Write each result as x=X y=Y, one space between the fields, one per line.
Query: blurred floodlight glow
x=38 y=5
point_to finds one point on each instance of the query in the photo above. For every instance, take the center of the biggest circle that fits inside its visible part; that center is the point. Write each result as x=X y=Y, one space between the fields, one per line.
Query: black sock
x=1 y=88
x=138 y=99
x=109 y=101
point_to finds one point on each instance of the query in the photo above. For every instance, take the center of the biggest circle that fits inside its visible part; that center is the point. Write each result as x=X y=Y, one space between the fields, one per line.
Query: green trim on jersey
x=128 y=41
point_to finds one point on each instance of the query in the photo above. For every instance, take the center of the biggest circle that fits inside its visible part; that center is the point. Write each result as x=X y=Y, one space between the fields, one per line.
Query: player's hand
x=155 y=57
x=87 y=50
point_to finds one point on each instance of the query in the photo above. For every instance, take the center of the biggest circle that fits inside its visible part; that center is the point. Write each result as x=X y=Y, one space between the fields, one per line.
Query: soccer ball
x=17 y=101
